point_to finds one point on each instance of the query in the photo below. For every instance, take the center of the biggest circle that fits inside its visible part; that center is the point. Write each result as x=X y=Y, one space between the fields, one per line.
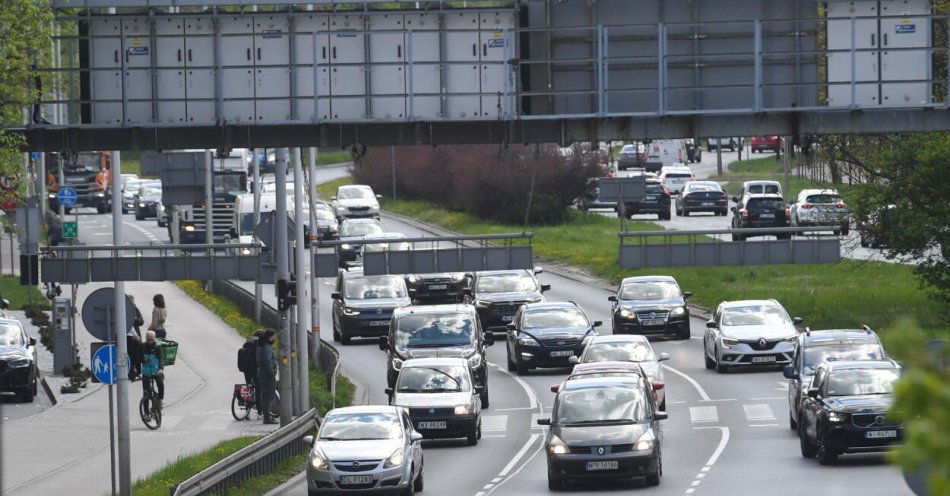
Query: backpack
x=247 y=356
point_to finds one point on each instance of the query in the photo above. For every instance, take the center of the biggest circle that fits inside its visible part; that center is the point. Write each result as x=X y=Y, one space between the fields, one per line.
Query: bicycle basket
x=169 y=349
x=245 y=392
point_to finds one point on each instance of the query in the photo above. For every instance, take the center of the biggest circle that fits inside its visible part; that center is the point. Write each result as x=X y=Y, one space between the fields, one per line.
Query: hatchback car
x=18 y=371
x=821 y=207
x=443 y=287
x=702 y=196
x=328 y=227
x=657 y=200
x=356 y=200
x=361 y=449
x=816 y=347
x=633 y=349
x=749 y=332
x=354 y=230
x=547 y=335
x=147 y=200
x=650 y=305
x=675 y=177
x=498 y=294
x=604 y=429
x=845 y=410
x=442 y=398
x=760 y=211
x=364 y=305
x=766 y=144
x=437 y=331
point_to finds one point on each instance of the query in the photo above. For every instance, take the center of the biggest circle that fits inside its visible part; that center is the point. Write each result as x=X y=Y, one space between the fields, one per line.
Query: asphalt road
x=12 y=409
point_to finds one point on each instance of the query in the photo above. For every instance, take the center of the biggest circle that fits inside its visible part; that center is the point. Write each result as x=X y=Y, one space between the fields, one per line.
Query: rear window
x=823 y=199
x=704 y=187
x=765 y=203
x=758 y=189
x=654 y=188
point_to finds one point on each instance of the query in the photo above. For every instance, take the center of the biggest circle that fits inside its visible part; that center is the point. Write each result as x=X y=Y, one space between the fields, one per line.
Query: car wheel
x=420 y=481
x=26 y=396
x=720 y=368
x=411 y=487
x=346 y=340
x=736 y=237
x=654 y=479
x=554 y=482
x=807 y=448
x=685 y=212
x=684 y=334
x=825 y=455
x=520 y=368
x=864 y=242
x=336 y=334
x=710 y=363
x=845 y=230
x=484 y=398
x=138 y=216
x=511 y=365
x=475 y=435
x=792 y=423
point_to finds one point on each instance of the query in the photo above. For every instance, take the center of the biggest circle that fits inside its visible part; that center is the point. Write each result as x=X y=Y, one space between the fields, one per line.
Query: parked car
x=760 y=211
x=657 y=200
x=650 y=305
x=497 y=295
x=632 y=156
x=701 y=196
x=713 y=143
x=603 y=428
x=18 y=369
x=441 y=397
x=356 y=200
x=846 y=410
x=821 y=207
x=749 y=332
x=626 y=348
x=760 y=187
x=354 y=230
x=816 y=347
x=675 y=177
x=360 y=448
x=544 y=335
x=441 y=287
x=147 y=200
x=766 y=143
x=363 y=305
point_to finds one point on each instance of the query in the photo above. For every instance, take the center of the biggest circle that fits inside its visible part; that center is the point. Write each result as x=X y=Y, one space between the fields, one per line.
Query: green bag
x=169 y=350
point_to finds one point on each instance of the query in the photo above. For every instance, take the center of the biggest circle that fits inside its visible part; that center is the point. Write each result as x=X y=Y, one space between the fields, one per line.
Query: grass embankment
x=844 y=295
x=768 y=168
x=20 y=295
x=327 y=158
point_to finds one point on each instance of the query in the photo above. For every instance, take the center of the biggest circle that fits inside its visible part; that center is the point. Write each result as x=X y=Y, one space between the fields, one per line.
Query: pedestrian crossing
x=758 y=414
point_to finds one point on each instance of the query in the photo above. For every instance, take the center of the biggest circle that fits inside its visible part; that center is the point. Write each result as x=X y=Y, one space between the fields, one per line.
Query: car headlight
x=414 y=279
x=458 y=277
x=627 y=314
x=475 y=361
x=19 y=362
x=728 y=342
x=350 y=311
x=678 y=312
x=527 y=341
x=318 y=461
x=463 y=409
x=345 y=247
x=397 y=364
x=482 y=304
x=246 y=251
x=189 y=228
x=141 y=204
x=395 y=459
x=791 y=339
x=837 y=417
x=646 y=441
x=100 y=194
x=557 y=447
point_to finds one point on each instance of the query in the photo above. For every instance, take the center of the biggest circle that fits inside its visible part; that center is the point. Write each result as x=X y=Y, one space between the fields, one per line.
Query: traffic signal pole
x=314 y=281
x=300 y=267
x=283 y=273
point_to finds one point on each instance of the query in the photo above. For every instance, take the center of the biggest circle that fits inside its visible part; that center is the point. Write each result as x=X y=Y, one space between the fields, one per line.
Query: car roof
x=861 y=364
x=748 y=303
x=619 y=338
x=357 y=272
x=434 y=309
x=435 y=361
x=385 y=235
x=365 y=409
x=806 y=192
x=771 y=196
x=11 y=321
x=839 y=336
x=361 y=221
x=613 y=366
x=510 y=272
x=355 y=186
x=760 y=182
x=550 y=305
x=600 y=382
x=647 y=279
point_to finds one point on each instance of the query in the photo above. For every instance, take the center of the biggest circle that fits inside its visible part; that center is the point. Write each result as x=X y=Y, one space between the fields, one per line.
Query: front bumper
x=455 y=425
x=743 y=354
x=573 y=466
x=365 y=324
x=847 y=438
x=385 y=480
x=12 y=379
x=673 y=325
x=542 y=356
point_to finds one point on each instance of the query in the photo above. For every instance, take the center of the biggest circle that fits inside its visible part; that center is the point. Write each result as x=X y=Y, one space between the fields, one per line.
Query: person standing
x=159 y=314
x=247 y=363
x=267 y=374
x=133 y=340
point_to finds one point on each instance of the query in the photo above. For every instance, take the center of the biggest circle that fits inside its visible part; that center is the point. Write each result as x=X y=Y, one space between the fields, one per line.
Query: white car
x=761 y=188
x=821 y=207
x=393 y=246
x=356 y=200
x=749 y=332
x=675 y=177
x=627 y=348
x=442 y=398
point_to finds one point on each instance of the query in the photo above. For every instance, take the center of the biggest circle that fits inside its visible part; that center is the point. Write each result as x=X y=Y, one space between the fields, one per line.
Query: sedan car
x=354 y=230
x=650 y=305
x=18 y=371
x=129 y=189
x=749 y=332
x=846 y=410
x=760 y=211
x=363 y=305
x=821 y=207
x=442 y=398
x=603 y=429
x=328 y=227
x=701 y=196
x=547 y=335
x=356 y=200
x=766 y=144
x=361 y=449
x=631 y=156
x=440 y=287
x=498 y=294
x=147 y=200
x=633 y=349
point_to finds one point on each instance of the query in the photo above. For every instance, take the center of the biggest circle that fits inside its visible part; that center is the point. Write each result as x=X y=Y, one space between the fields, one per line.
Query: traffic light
x=286 y=293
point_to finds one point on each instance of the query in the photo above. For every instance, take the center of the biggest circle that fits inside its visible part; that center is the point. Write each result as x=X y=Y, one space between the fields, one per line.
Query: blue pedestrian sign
x=105 y=364
x=67 y=197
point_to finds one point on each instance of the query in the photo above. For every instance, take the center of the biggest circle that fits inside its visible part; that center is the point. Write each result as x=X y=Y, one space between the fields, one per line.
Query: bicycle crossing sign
x=70 y=229
x=105 y=364
x=67 y=197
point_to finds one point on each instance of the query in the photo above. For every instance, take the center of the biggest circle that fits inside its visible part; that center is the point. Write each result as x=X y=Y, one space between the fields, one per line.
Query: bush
x=489 y=181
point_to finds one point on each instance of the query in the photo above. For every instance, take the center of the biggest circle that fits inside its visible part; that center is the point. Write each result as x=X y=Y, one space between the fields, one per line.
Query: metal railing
x=461 y=240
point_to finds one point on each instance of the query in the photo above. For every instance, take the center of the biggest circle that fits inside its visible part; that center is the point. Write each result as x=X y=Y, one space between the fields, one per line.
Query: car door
x=709 y=340
x=414 y=447
x=793 y=387
x=338 y=303
x=810 y=408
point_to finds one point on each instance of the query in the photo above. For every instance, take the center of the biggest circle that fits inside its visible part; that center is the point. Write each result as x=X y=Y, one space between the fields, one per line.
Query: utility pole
x=256 y=166
x=122 y=391
x=719 y=157
x=300 y=267
x=314 y=281
x=392 y=153
x=209 y=215
x=283 y=273
x=42 y=189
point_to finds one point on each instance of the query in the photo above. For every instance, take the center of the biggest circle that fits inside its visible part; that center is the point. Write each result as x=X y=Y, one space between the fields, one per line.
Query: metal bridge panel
x=521 y=257
x=496 y=258
x=448 y=260
x=153 y=268
x=374 y=263
x=472 y=259
x=423 y=262
x=325 y=265
x=249 y=268
x=767 y=252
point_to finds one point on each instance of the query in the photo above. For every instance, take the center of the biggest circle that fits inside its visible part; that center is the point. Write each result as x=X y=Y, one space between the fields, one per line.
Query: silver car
x=365 y=449
x=821 y=207
x=442 y=398
x=627 y=348
x=749 y=332
x=356 y=200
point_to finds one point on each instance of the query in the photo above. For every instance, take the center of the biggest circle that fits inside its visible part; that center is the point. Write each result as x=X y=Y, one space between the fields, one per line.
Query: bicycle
x=150 y=407
x=244 y=400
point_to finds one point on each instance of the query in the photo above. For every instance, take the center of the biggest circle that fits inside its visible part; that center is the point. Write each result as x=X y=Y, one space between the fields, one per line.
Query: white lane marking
x=514 y=409
x=488 y=486
x=518 y=455
x=719 y=449
x=493 y=435
x=757 y=412
x=480 y=493
x=690 y=490
x=763 y=425
x=700 y=475
x=532 y=396
x=699 y=414
x=769 y=398
x=695 y=483
x=494 y=423
x=723 y=399
x=699 y=389
x=145 y=232
x=496 y=480
x=520 y=468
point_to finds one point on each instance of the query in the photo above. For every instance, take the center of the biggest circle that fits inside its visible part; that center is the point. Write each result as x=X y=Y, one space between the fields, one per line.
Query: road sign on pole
x=105 y=364
x=67 y=197
x=70 y=229
x=96 y=313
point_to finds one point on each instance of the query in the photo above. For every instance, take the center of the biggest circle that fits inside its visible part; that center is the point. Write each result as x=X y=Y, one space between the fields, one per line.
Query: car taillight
x=806 y=205
x=841 y=205
x=744 y=212
x=788 y=212
x=657 y=385
x=666 y=192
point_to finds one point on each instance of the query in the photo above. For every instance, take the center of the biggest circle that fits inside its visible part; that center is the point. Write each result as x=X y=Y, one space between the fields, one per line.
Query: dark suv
x=447 y=287
x=547 y=335
x=18 y=371
x=363 y=305
x=657 y=200
x=816 y=347
x=760 y=211
x=650 y=305
x=498 y=294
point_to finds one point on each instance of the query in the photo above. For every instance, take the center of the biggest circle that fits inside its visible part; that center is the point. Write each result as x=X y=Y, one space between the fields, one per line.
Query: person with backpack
x=266 y=374
x=247 y=362
x=153 y=365
x=133 y=341
x=159 y=314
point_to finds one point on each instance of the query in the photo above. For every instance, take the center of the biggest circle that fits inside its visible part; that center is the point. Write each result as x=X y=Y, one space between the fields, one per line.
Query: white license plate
x=880 y=434
x=431 y=425
x=709 y=204
x=507 y=318
x=438 y=287
x=766 y=216
x=562 y=353
x=763 y=359
x=607 y=465
x=356 y=479
x=653 y=322
x=379 y=323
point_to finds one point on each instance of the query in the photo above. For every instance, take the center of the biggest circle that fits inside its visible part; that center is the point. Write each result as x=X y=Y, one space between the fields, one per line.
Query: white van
x=242 y=226
x=675 y=177
x=761 y=187
x=662 y=153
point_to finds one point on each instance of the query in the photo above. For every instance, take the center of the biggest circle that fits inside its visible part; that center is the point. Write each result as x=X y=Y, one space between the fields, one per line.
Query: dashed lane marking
x=699 y=389
x=703 y=414
x=758 y=412
x=723 y=441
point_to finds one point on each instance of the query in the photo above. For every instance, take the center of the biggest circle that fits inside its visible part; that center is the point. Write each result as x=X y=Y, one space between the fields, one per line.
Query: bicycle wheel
x=151 y=412
x=275 y=405
x=239 y=409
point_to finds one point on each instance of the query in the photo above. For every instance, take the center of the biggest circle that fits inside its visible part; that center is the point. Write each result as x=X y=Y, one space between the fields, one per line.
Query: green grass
x=327 y=157
x=160 y=483
x=18 y=295
x=767 y=168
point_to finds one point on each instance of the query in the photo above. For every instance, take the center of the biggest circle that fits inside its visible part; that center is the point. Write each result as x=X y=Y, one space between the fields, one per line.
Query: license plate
x=562 y=353
x=379 y=323
x=607 y=465
x=438 y=287
x=763 y=359
x=431 y=425
x=880 y=434
x=709 y=204
x=766 y=216
x=356 y=479
x=507 y=318
x=653 y=322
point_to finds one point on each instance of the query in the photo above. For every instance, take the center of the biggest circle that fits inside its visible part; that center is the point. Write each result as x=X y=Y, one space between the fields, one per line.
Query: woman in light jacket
x=159 y=314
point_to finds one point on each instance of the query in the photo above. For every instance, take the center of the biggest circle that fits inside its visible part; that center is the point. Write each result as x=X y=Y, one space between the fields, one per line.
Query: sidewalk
x=67 y=446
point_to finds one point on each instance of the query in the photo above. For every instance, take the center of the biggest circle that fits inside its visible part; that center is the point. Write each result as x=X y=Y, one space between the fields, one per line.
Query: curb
x=287 y=485
x=360 y=394
x=49 y=391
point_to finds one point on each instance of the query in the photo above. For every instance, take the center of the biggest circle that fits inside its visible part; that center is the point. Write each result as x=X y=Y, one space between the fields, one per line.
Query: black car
x=702 y=196
x=444 y=331
x=146 y=202
x=354 y=230
x=604 y=428
x=657 y=200
x=845 y=410
x=650 y=305
x=363 y=305
x=816 y=347
x=547 y=335
x=18 y=372
x=760 y=211
x=498 y=294
x=327 y=225
x=446 y=287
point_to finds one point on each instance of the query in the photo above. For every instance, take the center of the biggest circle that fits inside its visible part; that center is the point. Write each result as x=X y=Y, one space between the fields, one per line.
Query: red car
x=766 y=143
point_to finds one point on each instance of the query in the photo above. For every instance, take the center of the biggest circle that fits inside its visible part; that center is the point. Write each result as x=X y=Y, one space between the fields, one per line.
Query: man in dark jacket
x=266 y=374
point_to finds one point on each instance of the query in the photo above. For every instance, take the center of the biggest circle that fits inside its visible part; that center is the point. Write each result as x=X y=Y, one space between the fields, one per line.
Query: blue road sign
x=67 y=197
x=105 y=364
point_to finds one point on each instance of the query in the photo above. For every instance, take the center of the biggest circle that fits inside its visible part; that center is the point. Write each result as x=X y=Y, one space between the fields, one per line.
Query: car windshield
x=555 y=317
x=374 y=287
x=435 y=379
x=360 y=427
x=354 y=193
x=765 y=204
x=755 y=315
x=400 y=246
x=360 y=228
x=629 y=149
x=10 y=335
x=434 y=331
x=247 y=223
x=506 y=283
x=619 y=351
x=151 y=193
x=862 y=381
x=816 y=355
x=658 y=290
x=226 y=182
x=756 y=189
x=132 y=185
x=703 y=187
x=597 y=375
x=654 y=188
x=601 y=405
x=823 y=198
x=325 y=213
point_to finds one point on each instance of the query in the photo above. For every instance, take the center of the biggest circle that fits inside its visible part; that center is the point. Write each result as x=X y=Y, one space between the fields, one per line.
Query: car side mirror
x=711 y=324
x=415 y=437
x=555 y=388
x=510 y=326
x=687 y=294
x=335 y=296
x=489 y=338
x=32 y=341
x=383 y=342
x=612 y=298
x=598 y=323
x=538 y=270
x=789 y=372
x=545 y=287
x=573 y=359
x=544 y=421
x=812 y=392
x=664 y=356
x=659 y=415
x=4 y=303
x=798 y=320
x=479 y=389
x=308 y=440
x=389 y=392
x=379 y=197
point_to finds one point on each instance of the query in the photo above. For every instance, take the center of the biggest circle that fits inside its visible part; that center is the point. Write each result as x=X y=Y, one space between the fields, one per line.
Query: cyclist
x=153 y=363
